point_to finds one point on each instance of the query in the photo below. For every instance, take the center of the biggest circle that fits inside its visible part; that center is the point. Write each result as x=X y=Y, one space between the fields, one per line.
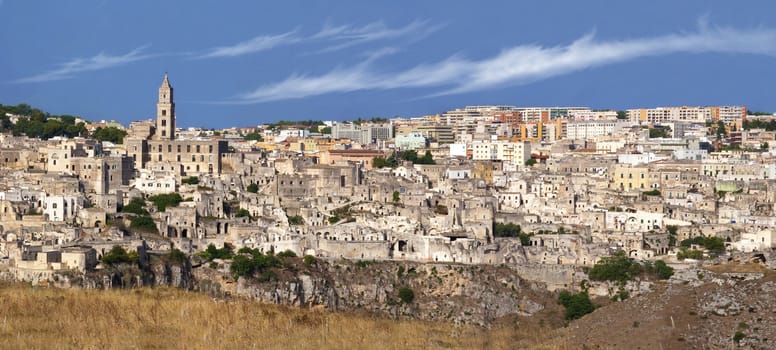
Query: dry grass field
x=47 y=318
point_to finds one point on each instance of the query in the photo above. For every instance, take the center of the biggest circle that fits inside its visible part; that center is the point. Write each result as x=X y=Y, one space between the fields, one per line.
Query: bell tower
x=165 y=112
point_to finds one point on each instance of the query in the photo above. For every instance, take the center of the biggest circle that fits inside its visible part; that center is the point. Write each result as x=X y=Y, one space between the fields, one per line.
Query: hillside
x=162 y=318
x=719 y=307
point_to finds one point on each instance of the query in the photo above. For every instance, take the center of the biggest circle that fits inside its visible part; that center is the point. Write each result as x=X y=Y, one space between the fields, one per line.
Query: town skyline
x=351 y=61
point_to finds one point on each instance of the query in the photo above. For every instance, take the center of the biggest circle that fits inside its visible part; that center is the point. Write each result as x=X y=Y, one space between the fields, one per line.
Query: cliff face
x=462 y=294
x=441 y=292
x=156 y=272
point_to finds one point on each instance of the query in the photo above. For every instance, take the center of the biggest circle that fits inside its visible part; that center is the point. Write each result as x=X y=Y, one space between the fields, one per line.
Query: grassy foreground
x=47 y=318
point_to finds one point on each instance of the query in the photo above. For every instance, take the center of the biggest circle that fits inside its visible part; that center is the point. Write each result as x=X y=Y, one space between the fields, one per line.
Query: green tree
x=143 y=223
x=617 y=267
x=622 y=115
x=110 y=134
x=253 y=188
x=577 y=305
x=241 y=213
x=721 y=131
x=254 y=136
x=162 y=201
x=117 y=255
x=191 y=180
x=662 y=270
x=530 y=162
x=506 y=230
x=406 y=295
x=396 y=198
x=136 y=206
x=295 y=220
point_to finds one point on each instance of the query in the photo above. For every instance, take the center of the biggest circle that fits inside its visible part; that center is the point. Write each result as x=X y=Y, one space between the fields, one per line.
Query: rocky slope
x=718 y=307
x=442 y=292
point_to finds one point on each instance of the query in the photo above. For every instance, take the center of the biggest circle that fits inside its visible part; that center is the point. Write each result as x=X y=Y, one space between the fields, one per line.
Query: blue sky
x=238 y=63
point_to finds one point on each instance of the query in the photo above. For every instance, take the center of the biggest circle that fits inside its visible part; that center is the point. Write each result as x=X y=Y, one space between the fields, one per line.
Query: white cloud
x=348 y=35
x=257 y=44
x=341 y=36
x=517 y=65
x=98 y=62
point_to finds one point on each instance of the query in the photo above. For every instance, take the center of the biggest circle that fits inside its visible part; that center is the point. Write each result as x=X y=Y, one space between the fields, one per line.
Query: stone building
x=159 y=144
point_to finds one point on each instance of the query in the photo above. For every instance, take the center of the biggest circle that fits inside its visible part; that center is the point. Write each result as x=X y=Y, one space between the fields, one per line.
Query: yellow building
x=627 y=178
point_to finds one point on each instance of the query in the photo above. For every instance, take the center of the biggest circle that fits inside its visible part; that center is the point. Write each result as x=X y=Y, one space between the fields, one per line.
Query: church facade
x=155 y=146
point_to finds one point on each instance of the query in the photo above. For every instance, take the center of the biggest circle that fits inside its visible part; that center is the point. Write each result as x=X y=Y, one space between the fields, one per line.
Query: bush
x=143 y=223
x=177 y=256
x=118 y=255
x=506 y=230
x=406 y=295
x=685 y=253
x=295 y=220
x=242 y=213
x=253 y=188
x=288 y=253
x=162 y=201
x=715 y=245
x=136 y=206
x=211 y=252
x=248 y=262
x=615 y=268
x=577 y=305
x=193 y=180
x=663 y=271
x=309 y=260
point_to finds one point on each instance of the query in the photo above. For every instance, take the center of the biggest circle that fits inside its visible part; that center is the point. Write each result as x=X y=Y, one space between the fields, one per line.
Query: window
x=164 y=113
x=188 y=148
x=169 y=148
x=210 y=148
x=179 y=148
x=198 y=149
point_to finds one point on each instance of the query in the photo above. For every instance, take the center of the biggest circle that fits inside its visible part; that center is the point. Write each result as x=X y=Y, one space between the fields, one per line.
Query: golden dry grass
x=47 y=318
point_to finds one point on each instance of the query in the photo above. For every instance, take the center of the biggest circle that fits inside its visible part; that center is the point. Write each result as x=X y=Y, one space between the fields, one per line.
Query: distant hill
x=22 y=119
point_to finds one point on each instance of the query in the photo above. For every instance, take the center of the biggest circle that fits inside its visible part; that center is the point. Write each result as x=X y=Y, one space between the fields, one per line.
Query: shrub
x=248 y=262
x=506 y=230
x=143 y=223
x=309 y=260
x=136 y=206
x=253 y=188
x=193 y=180
x=162 y=201
x=118 y=255
x=617 y=267
x=333 y=219
x=242 y=213
x=406 y=295
x=663 y=271
x=177 y=256
x=288 y=253
x=577 y=305
x=211 y=252
x=295 y=220
x=738 y=336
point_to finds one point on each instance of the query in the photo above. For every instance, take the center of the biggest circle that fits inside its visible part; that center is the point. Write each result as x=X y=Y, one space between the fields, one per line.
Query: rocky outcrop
x=442 y=292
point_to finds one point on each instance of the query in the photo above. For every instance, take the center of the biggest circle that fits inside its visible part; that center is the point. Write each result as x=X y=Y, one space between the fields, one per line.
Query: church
x=155 y=146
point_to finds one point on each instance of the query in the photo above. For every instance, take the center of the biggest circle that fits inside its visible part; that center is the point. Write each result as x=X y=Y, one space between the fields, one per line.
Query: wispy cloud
x=100 y=61
x=348 y=35
x=339 y=37
x=517 y=65
x=257 y=44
